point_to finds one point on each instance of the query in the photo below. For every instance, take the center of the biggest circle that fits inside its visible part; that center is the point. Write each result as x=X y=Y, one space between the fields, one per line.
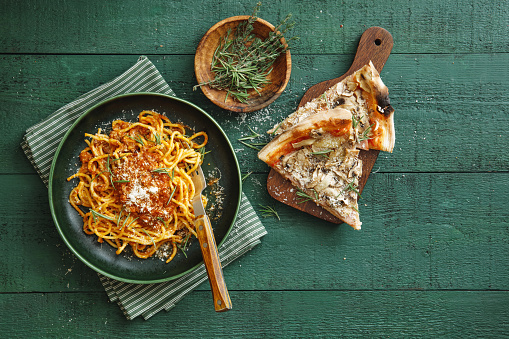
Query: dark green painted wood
x=449 y=108
x=271 y=314
x=175 y=27
x=432 y=257
x=409 y=240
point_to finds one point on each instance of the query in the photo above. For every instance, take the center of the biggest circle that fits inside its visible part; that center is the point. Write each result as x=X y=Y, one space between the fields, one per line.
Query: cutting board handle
x=375 y=45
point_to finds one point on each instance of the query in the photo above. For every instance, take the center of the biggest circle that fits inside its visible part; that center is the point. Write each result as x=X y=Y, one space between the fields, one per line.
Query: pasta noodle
x=136 y=183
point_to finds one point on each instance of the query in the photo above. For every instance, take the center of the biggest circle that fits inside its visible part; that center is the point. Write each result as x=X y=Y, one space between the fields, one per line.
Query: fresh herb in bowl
x=242 y=61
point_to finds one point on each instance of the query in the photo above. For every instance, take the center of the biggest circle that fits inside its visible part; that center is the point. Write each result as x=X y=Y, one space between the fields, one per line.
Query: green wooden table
x=432 y=258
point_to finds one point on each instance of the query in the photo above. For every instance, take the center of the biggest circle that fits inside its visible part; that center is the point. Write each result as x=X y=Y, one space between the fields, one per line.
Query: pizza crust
x=319 y=157
x=366 y=97
x=317 y=146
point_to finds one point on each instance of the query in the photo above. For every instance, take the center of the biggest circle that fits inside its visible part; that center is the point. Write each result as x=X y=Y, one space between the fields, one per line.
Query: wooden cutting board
x=375 y=44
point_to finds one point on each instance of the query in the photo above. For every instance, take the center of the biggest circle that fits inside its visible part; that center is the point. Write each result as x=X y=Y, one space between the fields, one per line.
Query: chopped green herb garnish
x=162 y=220
x=122 y=181
x=203 y=152
x=366 y=135
x=324 y=153
x=355 y=121
x=183 y=248
x=138 y=139
x=96 y=214
x=171 y=196
x=132 y=221
x=120 y=215
x=306 y=197
x=125 y=220
x=149 y=236
x=115 y=159
x=99 y=174
x=277 y=127
x=250 y=137
x=350 y=187
x=157 y=138
x=163 y=170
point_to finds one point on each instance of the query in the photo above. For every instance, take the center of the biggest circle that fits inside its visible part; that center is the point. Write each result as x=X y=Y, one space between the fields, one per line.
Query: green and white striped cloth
x=40 y=143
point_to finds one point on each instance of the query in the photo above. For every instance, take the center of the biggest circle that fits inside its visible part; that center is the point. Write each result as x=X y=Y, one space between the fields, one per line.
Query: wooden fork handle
x=208 y=247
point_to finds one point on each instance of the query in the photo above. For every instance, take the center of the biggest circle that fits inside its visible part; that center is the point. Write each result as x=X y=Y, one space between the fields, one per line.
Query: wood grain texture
x=205 y=235
x=432 y=257
x=409 y=240
x=318 y=314
x=175 y=27
x=431 y=95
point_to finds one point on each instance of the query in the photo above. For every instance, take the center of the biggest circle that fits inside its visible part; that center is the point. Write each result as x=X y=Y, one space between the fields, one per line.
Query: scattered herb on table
x=244 y=177
x=242 y=61
x=253 y=145
x=268 y=211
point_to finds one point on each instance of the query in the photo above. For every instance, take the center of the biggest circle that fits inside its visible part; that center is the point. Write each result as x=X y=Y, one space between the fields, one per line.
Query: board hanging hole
x=378 y=42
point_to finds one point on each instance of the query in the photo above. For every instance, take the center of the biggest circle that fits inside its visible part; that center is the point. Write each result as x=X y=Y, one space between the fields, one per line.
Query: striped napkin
x=40 y=143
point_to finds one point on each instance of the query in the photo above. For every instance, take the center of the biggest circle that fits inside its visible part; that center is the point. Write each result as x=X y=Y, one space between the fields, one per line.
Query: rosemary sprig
x=324 y=153
x=157 y=138
x=96 y=214
x=254 y=145
x=242 y=61
x=268 y=211
x=120 y=216
x=163 y=170
x=366 y=135
x=116 y=159
x=202 y=153
x=132 y=221
x=183 y=248
x=306 y=197
x=137 y=138
x=171 y=196
x=162 y=220
x=350 y=187
x=249 y=145
x=244 y=177
x=277 y=127
x=250 y=137
x=149 y=236
x=125 y=221
x=355 y=121
x=99 y=174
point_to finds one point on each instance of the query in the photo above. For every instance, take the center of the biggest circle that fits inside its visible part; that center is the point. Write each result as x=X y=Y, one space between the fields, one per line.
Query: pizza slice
x=319 y=156
x=366 y=97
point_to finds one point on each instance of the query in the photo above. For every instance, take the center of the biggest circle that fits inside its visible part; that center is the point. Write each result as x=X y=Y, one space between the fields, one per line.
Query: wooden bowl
x=203 y=59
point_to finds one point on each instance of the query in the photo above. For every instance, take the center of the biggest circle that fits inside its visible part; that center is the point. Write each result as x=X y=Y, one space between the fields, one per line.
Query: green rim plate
x=101 y=257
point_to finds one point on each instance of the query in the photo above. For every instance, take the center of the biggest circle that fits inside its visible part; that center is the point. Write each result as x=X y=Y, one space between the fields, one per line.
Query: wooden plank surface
x=321 y=314
x=409 y=240
x=432 y=259
x=176 y=27
x=434 y=116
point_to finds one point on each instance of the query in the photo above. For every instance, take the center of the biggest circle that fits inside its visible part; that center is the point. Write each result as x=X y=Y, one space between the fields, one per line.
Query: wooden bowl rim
x=238 y=106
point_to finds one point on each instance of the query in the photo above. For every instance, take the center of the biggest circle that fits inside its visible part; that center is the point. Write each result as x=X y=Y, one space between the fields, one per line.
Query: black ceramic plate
x=101 y=257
